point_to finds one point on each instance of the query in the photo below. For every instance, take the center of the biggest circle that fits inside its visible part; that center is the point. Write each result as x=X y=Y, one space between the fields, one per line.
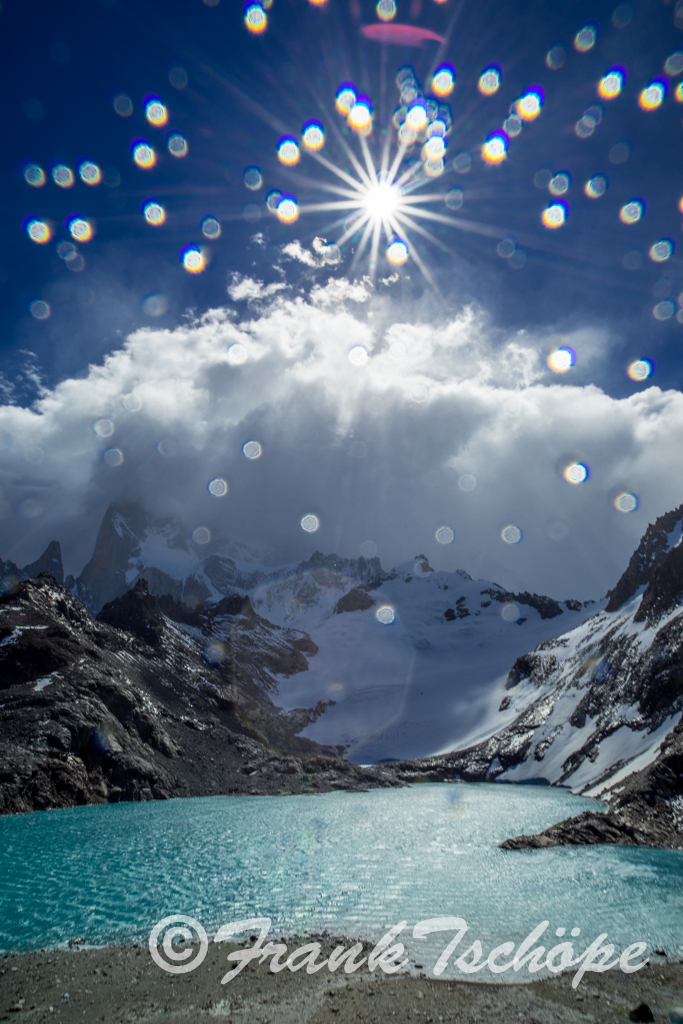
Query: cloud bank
x=382 y=422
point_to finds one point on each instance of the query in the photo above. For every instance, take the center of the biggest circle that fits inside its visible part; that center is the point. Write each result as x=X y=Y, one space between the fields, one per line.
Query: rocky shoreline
x=122 y=983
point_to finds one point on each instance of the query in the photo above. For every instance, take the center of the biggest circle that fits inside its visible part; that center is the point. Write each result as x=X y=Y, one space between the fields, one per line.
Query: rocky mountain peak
x=664 y=592
x=137 y=612
x=657 y=541
x=50 y=561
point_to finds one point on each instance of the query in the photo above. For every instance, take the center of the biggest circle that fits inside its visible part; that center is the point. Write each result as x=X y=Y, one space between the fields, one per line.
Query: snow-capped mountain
x=409 y=662
x=593 y=706
x=415 y=663
x=424 y=674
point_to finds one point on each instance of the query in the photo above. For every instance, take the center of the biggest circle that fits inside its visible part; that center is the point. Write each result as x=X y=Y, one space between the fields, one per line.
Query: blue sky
x=589 y=285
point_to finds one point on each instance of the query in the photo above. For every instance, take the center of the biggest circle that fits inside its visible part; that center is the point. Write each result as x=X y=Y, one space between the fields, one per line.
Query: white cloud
x=374 y=450
x=241 y=288
x=295 y=251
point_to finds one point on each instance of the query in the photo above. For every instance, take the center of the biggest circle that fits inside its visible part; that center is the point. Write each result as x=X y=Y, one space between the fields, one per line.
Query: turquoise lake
x=351 y=863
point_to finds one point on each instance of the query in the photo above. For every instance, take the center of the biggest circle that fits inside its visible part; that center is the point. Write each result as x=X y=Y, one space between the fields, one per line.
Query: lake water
x=351 y=863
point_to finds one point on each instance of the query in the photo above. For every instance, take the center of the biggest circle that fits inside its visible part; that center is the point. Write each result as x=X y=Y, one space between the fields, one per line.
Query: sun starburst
x=380 y=197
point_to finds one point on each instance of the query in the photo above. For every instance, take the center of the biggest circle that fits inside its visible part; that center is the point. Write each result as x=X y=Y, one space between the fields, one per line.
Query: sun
x=381 y=201
x=379 y=196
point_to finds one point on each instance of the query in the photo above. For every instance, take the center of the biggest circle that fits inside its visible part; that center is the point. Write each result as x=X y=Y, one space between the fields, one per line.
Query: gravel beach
x=118 y=985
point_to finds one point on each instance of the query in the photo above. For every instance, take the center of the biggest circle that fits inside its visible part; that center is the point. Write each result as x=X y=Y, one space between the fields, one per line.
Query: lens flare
x=489 y=81
x=313 y=136
x=626 y=502
x=112 y=456
x=40 y=310
x=631 y=212
x=554 y=216
x=90 y=173
x=202 y=535
x=346 y=97
x=434 y=148
x=385 y=615
x=358 y=355
x=81 y=230
x=360 y=117
x=193 y=259
x=218 y=487
x=154 y=213
x=386 y=10
x=397 y=253
x=252 y=450
x=288 y=151
x=641 y=369
x=652 y=96
x=664 y=310
x=611 y=85
x=529 y=106
x=287 y=210
x=454 y=198
x=255 y=18
x=177 y=145
x=585 y=39
x=560 y=184
x=38 y=231
x=495 y=148
x=561 y=360
x=62 y=176
x=555 y=57
x=310 y=523
x=661 y=250
x=444 y=535
x=417 y=117
x=511 y=534
x=674 y=64
x=512 y=125
x=253 y=179
x=679 y=92
x=34 y=176
x=576 y=473
x=211 y=228
x=443 y=81
x=596 y=186
x=272 y=200
x=144 y=155
x=123 y=105
x=155 y=112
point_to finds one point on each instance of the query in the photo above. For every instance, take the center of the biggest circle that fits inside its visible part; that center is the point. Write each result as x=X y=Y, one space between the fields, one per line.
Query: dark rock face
x=92 y=713
x=546 y=607
x=642 y=1014
x=357 y=600
x=656 y=542
x=50 y=561
x=665 y=589
x=137 y=612
x=646 y=811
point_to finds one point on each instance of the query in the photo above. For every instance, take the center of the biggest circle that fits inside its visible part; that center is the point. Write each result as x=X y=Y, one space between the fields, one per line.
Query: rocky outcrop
x=665 y=589
x=137 y=612
x=654 y=546
x=50 y=561
x=647 y=810
x=357 y=600
x=96 y=711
